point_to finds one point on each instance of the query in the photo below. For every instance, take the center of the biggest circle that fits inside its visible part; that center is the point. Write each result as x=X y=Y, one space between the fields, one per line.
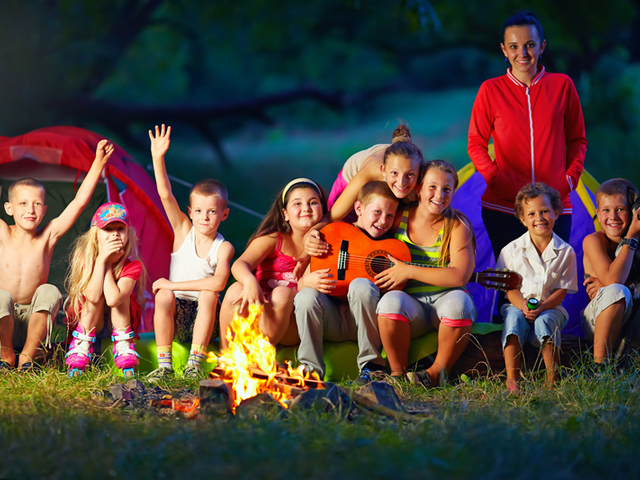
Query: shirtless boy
x=27 y=303
x=609 y=256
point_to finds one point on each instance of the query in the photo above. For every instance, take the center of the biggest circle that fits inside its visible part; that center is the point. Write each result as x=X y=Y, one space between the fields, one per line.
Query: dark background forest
x=259 y=92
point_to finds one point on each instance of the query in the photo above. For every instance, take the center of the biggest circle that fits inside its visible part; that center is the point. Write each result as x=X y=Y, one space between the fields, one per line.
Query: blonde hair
x=82 y=262
x=24 y=182
x=450 y=215
x=375 y=188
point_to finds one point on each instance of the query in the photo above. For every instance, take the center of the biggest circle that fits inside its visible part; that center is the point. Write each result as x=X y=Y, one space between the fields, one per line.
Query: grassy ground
x=55 y=427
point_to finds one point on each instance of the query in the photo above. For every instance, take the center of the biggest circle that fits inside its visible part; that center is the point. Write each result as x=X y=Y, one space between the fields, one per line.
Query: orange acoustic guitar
x=354 y=255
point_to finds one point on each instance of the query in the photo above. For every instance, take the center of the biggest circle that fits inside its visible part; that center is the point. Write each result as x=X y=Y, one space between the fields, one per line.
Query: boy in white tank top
x=185 y=305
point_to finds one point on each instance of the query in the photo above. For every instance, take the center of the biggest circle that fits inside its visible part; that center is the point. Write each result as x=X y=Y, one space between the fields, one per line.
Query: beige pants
x=46 y=298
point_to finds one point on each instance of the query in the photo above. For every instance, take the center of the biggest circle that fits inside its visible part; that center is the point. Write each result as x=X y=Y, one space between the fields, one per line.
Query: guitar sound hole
x=379 y=264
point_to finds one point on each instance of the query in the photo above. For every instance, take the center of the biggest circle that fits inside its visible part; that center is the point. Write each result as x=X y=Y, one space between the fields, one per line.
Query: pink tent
x=59 y=157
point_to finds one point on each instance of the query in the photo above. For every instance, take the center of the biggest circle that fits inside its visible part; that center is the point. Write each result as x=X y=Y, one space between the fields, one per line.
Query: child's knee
x=165 y=298
x=282 y=296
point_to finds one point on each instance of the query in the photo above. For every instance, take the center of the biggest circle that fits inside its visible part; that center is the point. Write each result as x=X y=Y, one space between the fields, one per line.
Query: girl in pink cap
x=105 y=268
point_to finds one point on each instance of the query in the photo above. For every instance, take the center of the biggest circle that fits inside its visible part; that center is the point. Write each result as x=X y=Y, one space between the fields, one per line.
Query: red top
x=538 y=136
x=276 y=270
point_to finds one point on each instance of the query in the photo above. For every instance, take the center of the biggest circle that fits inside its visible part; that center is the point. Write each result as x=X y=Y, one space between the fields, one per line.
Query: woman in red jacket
x=536 y=123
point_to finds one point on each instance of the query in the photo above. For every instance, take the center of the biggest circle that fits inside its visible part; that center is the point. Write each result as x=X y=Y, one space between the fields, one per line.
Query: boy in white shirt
x=548 y=268
x=200 y=266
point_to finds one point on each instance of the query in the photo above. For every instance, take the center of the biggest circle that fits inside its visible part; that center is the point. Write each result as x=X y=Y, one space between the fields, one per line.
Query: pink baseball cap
x=108 y=213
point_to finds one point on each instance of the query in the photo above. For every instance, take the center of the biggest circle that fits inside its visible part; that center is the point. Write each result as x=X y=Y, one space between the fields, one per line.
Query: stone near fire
x=120 y=392
x=383 y=394
x=214 y=398
x=258 y=406
x=329 y=399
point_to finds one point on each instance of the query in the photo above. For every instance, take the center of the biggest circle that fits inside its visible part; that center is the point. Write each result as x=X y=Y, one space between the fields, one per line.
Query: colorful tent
x=467 y=199
x=59 y=157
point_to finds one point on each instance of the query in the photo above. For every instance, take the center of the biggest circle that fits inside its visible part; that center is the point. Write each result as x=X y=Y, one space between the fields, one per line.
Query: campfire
x=249 y=365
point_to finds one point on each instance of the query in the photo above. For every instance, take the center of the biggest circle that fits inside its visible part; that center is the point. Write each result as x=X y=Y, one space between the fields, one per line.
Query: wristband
x=632 y=242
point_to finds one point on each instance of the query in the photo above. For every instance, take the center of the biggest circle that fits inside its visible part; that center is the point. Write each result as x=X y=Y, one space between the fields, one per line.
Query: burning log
x=248 y=366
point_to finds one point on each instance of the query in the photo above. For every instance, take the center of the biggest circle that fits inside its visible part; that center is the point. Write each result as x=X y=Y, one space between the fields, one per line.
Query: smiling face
x=27 y=207
x=206 y=213
x=522 y=47
x=304 y=208
x=376 y=217
x=436 y=191
x=614 y=215
x=401 y=174
x=539 y=217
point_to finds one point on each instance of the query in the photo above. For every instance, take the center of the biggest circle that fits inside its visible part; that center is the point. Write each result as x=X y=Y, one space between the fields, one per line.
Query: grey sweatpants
x=320 y=316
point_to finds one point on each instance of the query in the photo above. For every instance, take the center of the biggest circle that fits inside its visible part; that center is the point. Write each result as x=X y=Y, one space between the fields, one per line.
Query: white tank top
x=186 y=265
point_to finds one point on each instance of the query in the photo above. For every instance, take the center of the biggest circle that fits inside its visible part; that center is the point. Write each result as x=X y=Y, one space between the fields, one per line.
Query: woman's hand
x=392 y=277
x=251 y=294
x=321 y=280
x=314 y=245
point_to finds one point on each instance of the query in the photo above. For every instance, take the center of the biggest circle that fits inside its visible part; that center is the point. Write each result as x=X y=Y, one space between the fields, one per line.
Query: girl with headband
x=264 y=272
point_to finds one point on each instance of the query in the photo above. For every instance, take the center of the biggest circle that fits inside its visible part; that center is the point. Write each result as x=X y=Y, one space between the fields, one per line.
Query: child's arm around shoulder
x=60 y=225
x=180 y=223
x=344 y=203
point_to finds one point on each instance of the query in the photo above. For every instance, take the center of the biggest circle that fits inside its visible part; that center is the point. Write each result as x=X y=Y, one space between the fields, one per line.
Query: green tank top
x=420 y=255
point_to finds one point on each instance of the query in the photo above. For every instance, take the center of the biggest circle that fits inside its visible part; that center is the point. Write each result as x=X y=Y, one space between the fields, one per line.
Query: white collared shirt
x=541 y=274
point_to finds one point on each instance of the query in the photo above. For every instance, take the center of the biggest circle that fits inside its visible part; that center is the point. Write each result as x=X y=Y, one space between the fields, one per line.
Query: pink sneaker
x=80 y=350
x=124 y=351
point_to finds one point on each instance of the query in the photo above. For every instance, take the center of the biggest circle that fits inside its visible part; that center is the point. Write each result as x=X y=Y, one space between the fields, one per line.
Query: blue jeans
x=548 y=325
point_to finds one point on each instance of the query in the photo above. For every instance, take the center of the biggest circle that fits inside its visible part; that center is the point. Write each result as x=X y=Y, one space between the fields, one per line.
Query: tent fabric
x=127 y=182
x=467 y=200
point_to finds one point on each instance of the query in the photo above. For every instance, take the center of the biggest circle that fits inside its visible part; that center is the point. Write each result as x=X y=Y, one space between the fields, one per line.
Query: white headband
x=298 y=180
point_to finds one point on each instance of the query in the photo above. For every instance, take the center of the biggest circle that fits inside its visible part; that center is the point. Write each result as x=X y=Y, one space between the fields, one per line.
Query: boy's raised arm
x=59 y=226
x=160 y=141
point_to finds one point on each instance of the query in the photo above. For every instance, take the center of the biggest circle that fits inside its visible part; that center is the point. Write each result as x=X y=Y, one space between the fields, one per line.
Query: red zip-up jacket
x=538 y=136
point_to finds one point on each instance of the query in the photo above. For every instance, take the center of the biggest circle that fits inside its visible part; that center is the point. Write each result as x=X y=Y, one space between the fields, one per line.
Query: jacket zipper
x=533 y=172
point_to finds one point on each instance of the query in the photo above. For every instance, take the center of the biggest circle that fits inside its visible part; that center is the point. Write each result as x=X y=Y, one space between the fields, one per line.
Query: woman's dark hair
x=521 y=19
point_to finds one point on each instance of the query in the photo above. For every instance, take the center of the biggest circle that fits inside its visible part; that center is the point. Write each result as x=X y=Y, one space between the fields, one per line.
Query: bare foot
x=512 y=387
x=550 y=381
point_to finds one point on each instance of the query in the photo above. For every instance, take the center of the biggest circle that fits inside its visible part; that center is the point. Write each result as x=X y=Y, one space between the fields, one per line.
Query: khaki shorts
x=46 y=298
x=605 y=297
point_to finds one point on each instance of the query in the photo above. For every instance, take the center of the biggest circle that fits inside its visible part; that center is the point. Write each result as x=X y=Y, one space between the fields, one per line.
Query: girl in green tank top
x=442 y=246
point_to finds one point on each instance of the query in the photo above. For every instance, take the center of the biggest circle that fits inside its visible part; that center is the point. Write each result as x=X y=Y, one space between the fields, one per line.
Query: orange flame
x=250 y=351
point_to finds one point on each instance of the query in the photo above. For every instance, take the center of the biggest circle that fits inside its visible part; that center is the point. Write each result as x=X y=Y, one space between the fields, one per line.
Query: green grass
x=55 y=427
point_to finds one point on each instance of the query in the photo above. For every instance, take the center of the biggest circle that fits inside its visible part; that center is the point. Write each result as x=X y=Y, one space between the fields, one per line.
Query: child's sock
x=196 y=355
x=164 y=357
